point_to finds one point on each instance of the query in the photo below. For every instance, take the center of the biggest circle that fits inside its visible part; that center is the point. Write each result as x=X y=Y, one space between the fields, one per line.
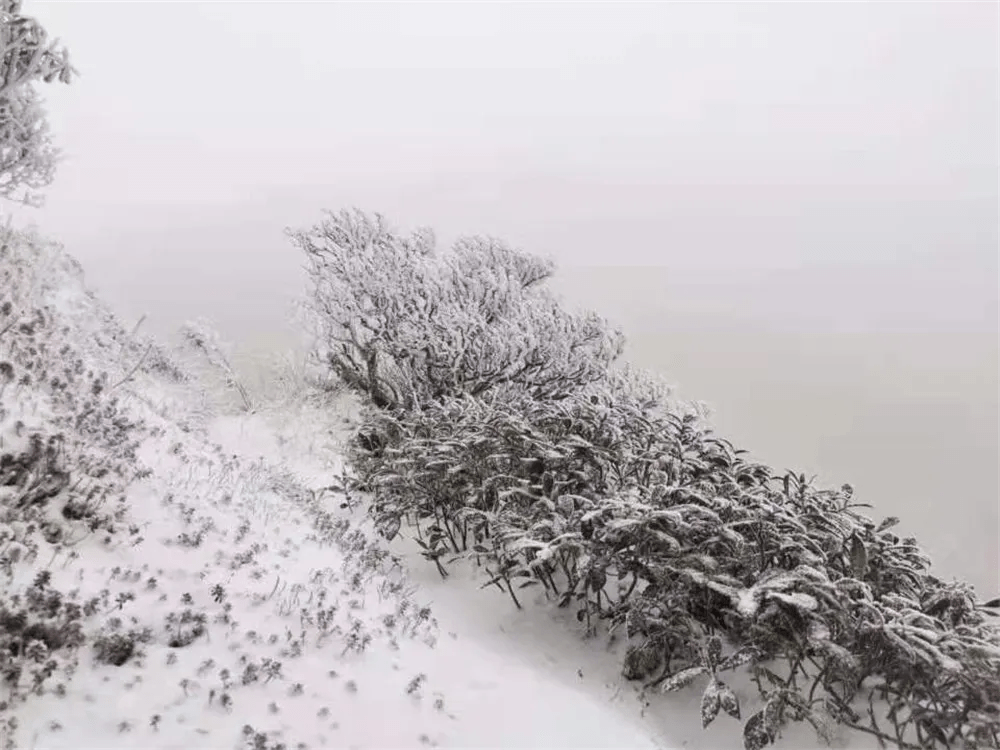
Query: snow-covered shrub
x=405 y=326
x=40 y=629
x=640 y=517
x=510 y=440
x=529 y=474
x=115 y=647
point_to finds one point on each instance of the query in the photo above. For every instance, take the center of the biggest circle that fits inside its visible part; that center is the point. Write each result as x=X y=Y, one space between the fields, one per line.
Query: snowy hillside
x=179 y=572
x=205 y=588
x=459 y=518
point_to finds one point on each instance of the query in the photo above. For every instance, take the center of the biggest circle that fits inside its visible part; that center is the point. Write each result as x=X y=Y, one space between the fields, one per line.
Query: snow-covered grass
x=253 y=615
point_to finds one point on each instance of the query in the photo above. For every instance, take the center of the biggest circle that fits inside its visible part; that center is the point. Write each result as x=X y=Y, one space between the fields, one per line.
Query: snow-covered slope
x=175 y=574
x=227 y=600
x=308 y=636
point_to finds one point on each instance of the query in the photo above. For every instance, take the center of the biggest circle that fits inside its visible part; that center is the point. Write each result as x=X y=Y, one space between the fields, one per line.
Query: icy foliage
x=27 y=156
x=406 y=326
x=643 y=519
x=590 y=485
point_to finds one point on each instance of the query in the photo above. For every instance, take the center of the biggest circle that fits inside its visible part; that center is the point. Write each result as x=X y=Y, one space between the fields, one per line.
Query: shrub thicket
x=554 y=472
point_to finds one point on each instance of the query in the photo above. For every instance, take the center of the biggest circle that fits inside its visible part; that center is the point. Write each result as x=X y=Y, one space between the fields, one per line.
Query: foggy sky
x=791 y=207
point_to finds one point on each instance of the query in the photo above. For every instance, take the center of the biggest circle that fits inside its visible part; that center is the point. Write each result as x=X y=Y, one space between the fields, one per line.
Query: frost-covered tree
x=27 y=155
x=406 y=326
x=363 y=282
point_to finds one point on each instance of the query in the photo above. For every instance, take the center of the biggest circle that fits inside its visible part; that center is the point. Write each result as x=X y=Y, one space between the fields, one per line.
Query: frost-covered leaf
x=929 y=652
x=755 y=733
x=844 y=659
x=711 y=702
x=777 y=580
x=818 y=631
x=823 y=721
x=635 y=623
x=796 y=599
x=748 y=602
x=565 y=505
x=887 y=523
x=809 y=572
x=713 y=650
x=737 y=659
x=728 y=701
x=389 y=527
x=666 y=540
x=859 y=557
x=682 y=679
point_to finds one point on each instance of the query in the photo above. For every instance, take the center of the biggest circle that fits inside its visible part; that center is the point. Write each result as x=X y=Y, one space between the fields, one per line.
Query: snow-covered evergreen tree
x=27 y=155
